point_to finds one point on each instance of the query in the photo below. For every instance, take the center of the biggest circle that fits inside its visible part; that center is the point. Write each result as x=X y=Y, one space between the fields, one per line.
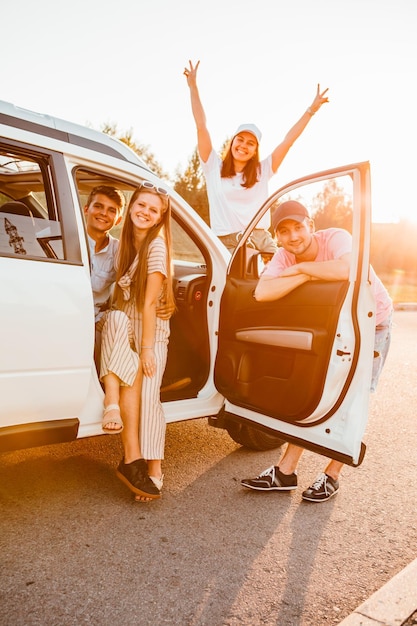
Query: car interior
x=188 y=361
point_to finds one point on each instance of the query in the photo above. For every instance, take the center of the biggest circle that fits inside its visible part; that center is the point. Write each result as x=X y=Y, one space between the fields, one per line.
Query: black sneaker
x=135 y=476
x=323 y=488
x=271 y=480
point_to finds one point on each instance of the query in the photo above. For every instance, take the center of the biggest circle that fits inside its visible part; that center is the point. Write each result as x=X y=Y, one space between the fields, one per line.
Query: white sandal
x=113 y=420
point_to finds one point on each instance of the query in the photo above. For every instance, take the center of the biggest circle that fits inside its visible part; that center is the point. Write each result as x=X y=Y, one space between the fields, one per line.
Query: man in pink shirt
x=307 y=255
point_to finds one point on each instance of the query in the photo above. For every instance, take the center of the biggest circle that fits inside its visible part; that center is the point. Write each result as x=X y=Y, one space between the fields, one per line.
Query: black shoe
x=135 y=476
x=323 y=488
x=271 y=480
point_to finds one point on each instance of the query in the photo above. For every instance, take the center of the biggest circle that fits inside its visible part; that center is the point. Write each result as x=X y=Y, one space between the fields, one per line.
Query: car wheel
x=252 y=438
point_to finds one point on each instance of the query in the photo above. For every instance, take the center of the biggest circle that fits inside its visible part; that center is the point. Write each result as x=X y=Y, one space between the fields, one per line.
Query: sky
x=93 y=63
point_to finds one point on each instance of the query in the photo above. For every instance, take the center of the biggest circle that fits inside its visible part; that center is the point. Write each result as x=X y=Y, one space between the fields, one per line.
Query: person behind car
x=135 y=339
x=237 y=185
x=307 y=255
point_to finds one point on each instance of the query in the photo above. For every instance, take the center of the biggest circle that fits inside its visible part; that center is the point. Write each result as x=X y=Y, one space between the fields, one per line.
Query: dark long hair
x=127 y=252
x=250 y=172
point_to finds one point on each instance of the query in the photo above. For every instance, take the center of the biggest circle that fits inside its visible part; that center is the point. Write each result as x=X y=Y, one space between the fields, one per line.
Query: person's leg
x=264 y=242
x=281 y=477
x=289 y=460
x=130 y=407
x=133 y=469
x=152 y=425
x=152 y=422
x=97 y=349
x=230 y=241
x=118 y=365
x=326 y=484
x=381 y=348
x=122 y=379
x=112 y=421
x=111 y=386
x=333 y=469
x=118 y=354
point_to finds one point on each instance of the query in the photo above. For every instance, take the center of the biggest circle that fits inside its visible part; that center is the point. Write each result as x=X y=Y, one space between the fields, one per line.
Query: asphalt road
x=75 y=548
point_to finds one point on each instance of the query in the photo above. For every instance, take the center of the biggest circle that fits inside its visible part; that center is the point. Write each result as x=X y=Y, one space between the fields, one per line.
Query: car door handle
x=341 y=353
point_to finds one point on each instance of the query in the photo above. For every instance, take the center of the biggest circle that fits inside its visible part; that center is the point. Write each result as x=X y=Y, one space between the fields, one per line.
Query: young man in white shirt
x=103 y=211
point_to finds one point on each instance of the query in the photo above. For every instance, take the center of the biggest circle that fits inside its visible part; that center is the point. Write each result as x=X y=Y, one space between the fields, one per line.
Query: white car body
x=49 y=386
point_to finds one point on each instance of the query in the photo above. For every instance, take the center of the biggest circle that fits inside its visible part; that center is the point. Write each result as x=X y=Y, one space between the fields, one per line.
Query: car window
x=29 y=226
x=330 y=204
x=329 y=201
x=184 y=247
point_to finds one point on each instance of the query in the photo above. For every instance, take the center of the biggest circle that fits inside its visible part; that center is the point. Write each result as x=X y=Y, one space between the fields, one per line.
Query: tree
x=141 y=150
x=332 y=208
x=191 y=185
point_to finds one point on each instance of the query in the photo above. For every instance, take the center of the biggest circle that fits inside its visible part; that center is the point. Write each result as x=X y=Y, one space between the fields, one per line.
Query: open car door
x=299 y=369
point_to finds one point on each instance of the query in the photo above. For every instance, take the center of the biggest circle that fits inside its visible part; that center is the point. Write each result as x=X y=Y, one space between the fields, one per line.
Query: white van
x=293 y=370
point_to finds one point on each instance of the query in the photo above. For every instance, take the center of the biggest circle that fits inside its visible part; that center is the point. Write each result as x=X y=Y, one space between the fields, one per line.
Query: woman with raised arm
x=237 y=184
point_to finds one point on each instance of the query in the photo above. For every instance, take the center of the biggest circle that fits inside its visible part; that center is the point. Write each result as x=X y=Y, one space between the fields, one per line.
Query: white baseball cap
x=249 y=128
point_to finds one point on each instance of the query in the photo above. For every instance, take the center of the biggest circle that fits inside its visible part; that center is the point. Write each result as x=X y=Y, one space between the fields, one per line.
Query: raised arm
x=281 y=150
x=203 y=136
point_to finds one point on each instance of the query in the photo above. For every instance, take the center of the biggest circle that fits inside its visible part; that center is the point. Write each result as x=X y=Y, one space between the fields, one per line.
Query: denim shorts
x=381 y=347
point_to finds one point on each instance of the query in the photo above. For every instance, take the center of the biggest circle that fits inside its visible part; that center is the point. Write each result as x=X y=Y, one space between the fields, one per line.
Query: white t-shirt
x=103 y=272
x=232 y=206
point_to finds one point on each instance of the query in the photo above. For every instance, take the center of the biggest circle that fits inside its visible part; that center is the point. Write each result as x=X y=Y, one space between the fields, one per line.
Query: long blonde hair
x=127 y=252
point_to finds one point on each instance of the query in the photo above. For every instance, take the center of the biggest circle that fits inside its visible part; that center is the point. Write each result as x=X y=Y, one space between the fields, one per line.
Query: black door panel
x=299 y=367
x=273 y=357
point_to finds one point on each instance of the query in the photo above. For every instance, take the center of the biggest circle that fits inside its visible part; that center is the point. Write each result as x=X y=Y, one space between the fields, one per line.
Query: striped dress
x=120 y=349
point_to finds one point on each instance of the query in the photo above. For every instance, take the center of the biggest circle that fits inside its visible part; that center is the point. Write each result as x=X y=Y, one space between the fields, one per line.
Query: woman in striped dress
x=135 y=340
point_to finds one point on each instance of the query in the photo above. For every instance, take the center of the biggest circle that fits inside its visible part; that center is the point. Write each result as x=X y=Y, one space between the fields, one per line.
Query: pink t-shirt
x=332 y=244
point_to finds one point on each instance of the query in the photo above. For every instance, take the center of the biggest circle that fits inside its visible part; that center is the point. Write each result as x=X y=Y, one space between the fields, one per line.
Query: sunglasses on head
x=148 y=185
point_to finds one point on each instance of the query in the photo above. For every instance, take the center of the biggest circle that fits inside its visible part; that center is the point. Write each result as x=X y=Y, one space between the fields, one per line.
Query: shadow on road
x=78 y=549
